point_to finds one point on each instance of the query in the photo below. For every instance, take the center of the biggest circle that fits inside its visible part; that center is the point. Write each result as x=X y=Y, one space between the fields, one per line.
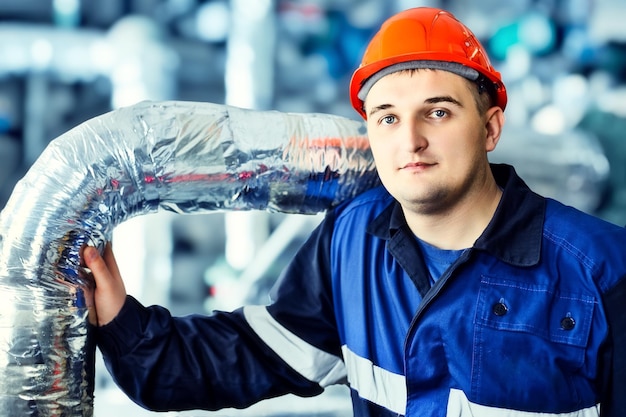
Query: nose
x=416 y=139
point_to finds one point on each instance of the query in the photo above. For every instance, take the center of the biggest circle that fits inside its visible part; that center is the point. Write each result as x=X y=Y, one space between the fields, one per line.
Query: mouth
x=417 y=166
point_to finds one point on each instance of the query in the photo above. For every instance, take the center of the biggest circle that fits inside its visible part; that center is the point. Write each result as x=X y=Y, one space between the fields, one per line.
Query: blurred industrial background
x=65 y=61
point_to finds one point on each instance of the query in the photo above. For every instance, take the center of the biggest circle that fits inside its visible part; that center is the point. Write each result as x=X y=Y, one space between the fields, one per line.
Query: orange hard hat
x=424 y=37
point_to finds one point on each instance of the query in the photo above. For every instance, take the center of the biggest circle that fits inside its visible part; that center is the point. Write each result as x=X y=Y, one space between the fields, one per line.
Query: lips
x=417 y=165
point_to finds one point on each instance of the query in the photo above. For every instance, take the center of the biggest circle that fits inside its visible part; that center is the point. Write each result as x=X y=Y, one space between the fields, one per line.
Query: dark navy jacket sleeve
x=211 y=362
x=615 y=302
x=194 y=362
x=294 y=307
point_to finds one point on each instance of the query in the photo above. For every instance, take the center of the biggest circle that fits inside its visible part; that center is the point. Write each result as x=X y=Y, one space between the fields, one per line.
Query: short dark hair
x=486 y=90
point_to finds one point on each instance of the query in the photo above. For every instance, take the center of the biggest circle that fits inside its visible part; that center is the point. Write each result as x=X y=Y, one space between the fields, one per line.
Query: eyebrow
x=443 y=99
x=379 y=108
x=431 y=100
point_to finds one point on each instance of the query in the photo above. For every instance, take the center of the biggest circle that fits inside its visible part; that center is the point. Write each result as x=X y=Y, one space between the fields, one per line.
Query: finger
x=92 y=313
x=97 y=265
x=110 y=292
x=109 y=259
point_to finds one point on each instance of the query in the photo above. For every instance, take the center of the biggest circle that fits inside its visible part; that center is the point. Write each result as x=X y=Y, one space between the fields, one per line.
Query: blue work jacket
x=529 y=321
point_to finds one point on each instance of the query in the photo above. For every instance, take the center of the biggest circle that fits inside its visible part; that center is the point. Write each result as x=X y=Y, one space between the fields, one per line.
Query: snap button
x=499 y=308
x=568 y=323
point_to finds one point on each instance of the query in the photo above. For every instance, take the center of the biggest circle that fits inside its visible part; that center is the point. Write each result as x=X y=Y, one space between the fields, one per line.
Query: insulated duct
x=178 y=156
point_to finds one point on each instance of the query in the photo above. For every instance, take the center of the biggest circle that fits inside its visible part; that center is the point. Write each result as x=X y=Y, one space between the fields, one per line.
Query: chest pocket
x=530 y=344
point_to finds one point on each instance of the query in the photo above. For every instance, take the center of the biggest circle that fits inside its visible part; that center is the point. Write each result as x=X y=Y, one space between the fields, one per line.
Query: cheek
x=462 y=156
x=381 y=154
x=380 y=143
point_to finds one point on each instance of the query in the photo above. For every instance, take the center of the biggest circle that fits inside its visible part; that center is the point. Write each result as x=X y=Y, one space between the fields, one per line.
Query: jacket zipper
x=427 y=300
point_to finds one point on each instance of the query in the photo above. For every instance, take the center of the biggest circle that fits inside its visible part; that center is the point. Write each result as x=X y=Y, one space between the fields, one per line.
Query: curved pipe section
x=178 y=156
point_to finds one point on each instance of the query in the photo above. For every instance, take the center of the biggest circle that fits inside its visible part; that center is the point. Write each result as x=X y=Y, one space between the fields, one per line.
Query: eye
x=438 y=114
x=388 y=120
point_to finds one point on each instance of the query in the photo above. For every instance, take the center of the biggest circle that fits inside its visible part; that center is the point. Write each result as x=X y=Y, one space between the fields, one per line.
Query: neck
x=461 y=225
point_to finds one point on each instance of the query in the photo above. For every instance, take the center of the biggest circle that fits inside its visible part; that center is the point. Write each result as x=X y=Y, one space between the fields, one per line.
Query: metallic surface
x=177 y=156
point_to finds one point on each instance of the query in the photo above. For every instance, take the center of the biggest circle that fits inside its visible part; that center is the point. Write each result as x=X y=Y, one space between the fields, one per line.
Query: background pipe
x=177 y=156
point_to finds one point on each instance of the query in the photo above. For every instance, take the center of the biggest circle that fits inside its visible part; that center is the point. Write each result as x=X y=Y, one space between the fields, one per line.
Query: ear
x=494 y=121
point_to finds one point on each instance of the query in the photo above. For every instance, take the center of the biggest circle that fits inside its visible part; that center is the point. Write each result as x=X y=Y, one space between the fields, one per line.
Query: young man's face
x=428 y=139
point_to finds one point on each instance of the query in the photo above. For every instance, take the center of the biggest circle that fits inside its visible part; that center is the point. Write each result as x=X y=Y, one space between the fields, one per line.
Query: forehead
x=419 y=84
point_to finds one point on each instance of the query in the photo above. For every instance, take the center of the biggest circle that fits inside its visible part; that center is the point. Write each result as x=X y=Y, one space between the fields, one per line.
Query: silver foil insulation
x=178 y=156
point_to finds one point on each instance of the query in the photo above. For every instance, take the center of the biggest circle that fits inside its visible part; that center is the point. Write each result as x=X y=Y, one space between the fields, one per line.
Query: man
x=452 y=291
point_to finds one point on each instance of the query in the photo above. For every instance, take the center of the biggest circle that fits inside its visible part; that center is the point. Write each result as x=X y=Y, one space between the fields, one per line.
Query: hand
x=109 y=294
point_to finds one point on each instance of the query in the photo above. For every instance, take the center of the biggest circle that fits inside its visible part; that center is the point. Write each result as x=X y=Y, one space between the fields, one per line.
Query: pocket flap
x=521 y=307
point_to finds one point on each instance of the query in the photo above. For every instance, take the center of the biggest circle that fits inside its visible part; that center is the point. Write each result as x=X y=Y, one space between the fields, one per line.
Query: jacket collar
x=515 y=231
